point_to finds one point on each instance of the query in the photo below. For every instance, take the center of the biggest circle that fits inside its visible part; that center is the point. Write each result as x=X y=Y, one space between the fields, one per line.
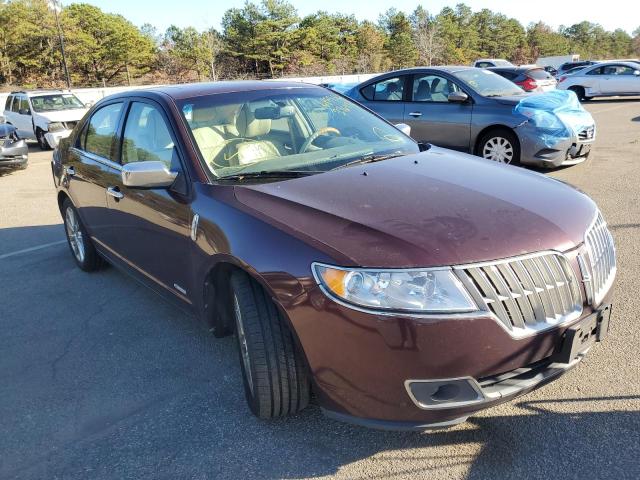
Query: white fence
x=92 y=95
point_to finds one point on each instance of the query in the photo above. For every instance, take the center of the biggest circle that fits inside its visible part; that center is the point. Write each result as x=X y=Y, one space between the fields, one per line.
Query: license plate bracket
x=578 y=338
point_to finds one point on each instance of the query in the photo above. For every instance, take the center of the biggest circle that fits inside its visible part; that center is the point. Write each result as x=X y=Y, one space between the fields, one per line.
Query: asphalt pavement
x=100 y=378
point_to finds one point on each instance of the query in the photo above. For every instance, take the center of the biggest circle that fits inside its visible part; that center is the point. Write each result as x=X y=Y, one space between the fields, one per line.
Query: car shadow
x=595 y=101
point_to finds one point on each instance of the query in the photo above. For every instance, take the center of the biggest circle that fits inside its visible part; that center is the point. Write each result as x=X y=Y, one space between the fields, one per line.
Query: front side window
x=55 y=102
x=301 y=129
x=432 y=88
x=487 y=83
x=389 y=90
x=618 y=70
x=101 y=131
x=146 y=136
x=24 y=106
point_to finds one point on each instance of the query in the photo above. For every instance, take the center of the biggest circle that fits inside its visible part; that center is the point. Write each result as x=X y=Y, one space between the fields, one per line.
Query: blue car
x=477 y=111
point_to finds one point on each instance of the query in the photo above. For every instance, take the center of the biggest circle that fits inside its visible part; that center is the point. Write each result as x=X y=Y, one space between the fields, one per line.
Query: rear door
x=433 y=118
x=91 y=168
x=387 y=97
x=153 y=225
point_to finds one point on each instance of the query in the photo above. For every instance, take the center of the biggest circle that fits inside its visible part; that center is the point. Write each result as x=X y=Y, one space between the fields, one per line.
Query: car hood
x=430 y=209
x=72 y=115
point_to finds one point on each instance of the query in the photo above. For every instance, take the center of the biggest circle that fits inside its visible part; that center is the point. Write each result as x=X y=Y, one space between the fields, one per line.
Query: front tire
x=275 y=377
x=80 y=244
x=42 y=141
x=580 y=93
x=500 y=145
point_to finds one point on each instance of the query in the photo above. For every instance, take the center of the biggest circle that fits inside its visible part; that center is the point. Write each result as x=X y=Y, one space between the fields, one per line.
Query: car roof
x=521 y=69
x=190 y=90
x=440 y=68
x=614 y=62
x=35 y=93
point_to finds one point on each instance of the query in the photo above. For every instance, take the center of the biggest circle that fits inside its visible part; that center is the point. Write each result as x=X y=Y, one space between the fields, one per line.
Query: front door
x=615 y=79
x=21 y=117
x=91 y=168
x=433 y=118
x=153 y=225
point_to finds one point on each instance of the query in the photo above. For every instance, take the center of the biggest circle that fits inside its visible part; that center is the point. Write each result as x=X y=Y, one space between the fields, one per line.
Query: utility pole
x=54 y=4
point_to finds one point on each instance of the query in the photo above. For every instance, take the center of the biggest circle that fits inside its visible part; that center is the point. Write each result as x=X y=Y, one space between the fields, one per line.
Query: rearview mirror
x=273 y=113
x=147 y=174
x=457 y=97
x=404 y=128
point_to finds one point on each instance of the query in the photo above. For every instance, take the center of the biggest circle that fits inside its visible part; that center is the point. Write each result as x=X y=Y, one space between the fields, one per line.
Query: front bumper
x=53 y=138
x=14 y=154
x=365 y=365
x=540 y=151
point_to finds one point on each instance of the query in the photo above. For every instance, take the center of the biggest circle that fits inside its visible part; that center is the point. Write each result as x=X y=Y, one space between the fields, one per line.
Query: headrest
x=248 y=125
x=423 y=88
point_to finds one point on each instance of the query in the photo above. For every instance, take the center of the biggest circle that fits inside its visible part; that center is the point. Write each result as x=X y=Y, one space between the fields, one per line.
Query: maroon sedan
x=406 y=286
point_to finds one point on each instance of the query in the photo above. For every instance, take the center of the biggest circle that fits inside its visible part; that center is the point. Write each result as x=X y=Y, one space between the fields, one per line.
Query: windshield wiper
x=368 y=159
x=270 y=174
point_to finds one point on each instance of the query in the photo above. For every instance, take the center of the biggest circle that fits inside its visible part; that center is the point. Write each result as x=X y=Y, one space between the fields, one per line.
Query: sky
x=203 y=14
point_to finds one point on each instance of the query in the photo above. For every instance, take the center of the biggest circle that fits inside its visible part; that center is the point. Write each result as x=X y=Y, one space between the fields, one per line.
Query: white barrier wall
x=94 y=94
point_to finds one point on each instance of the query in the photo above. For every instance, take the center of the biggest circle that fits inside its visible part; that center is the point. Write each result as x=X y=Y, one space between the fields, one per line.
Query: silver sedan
x=473 y=110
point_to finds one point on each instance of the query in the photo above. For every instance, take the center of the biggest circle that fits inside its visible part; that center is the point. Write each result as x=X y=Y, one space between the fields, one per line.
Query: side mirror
x=404 y=128
x=24 y=111
x=89 y=104
x=457 y=97
x=636 y=73
x=149 y=174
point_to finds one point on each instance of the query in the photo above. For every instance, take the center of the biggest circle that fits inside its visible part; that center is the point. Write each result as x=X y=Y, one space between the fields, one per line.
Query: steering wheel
x=323 y=131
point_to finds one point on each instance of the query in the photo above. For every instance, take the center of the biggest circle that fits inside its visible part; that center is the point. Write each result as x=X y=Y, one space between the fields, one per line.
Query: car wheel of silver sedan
x=500 y=146
x=80 y=244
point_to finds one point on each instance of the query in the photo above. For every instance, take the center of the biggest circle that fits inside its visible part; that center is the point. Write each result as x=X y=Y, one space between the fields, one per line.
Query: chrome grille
x=602 y=259
x=528 y=293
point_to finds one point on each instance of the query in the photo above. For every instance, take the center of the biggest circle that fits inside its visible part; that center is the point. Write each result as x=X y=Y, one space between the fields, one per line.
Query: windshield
x=55 y=102
x=488 y=83
x=295 y=129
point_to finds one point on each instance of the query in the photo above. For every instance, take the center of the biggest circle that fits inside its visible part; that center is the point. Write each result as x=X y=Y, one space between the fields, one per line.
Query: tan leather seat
x=209 y=139
x=256 y=129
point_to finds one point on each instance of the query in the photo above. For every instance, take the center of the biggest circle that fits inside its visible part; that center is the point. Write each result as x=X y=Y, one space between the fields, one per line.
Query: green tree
x=400 y=46
x=371 y=56
x=104 y=47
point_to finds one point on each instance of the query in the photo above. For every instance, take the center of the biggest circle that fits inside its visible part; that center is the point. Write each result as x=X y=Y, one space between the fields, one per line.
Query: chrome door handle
x=115 y=193
x=70 y=171
x=415 y=114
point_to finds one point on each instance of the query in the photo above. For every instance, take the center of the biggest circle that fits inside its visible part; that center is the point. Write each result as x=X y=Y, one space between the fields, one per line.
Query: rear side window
x=7 y=105
x=101 y=131
x=24 y=105
x=484 y=64
x=389 y=90
x=538 y=74
x=146 y=136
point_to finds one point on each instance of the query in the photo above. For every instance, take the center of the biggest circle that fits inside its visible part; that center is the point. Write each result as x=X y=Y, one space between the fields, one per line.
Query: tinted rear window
x=538 y=74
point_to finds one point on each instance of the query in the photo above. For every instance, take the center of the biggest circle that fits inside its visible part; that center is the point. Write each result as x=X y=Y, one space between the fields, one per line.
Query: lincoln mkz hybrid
x=400 y=285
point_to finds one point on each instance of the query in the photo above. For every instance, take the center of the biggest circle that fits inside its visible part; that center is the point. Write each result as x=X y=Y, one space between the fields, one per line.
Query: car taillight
x=529 y=84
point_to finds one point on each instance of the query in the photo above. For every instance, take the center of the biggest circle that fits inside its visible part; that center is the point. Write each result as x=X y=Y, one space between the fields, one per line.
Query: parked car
x=44 y=115
x=604 y=80
x=408 y=286
x=472 y=110
x=14 y=152
x=492 y=62
x=571 y=71
x=562 y=69
x=530 y=79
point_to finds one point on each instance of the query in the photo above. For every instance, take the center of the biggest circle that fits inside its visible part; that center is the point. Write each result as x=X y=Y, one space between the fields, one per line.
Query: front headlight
x=415 y=291
x=56 y=126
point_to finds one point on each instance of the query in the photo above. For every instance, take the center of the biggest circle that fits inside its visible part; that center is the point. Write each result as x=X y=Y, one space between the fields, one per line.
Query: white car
x=492 y=62
x=44 y=115
x=604 y=79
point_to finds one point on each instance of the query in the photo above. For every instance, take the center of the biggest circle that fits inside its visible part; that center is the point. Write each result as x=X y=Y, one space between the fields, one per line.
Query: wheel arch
x=489 y=128
x=62 y=196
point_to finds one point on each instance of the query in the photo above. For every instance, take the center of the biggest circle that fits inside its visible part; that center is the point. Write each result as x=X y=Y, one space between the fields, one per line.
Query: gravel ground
x=101 y=379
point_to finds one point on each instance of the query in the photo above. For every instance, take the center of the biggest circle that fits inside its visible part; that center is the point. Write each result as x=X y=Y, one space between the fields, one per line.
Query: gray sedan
x=472 y=110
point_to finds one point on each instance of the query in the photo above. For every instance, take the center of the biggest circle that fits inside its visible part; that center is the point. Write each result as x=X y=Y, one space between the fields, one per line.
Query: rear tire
x=499 y=145
x=275 y=377
x=80 y=244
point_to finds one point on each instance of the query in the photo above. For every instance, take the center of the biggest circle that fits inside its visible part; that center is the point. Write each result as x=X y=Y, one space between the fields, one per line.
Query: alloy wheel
x=498 y=149
x=242 y=342
x=74 y=234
